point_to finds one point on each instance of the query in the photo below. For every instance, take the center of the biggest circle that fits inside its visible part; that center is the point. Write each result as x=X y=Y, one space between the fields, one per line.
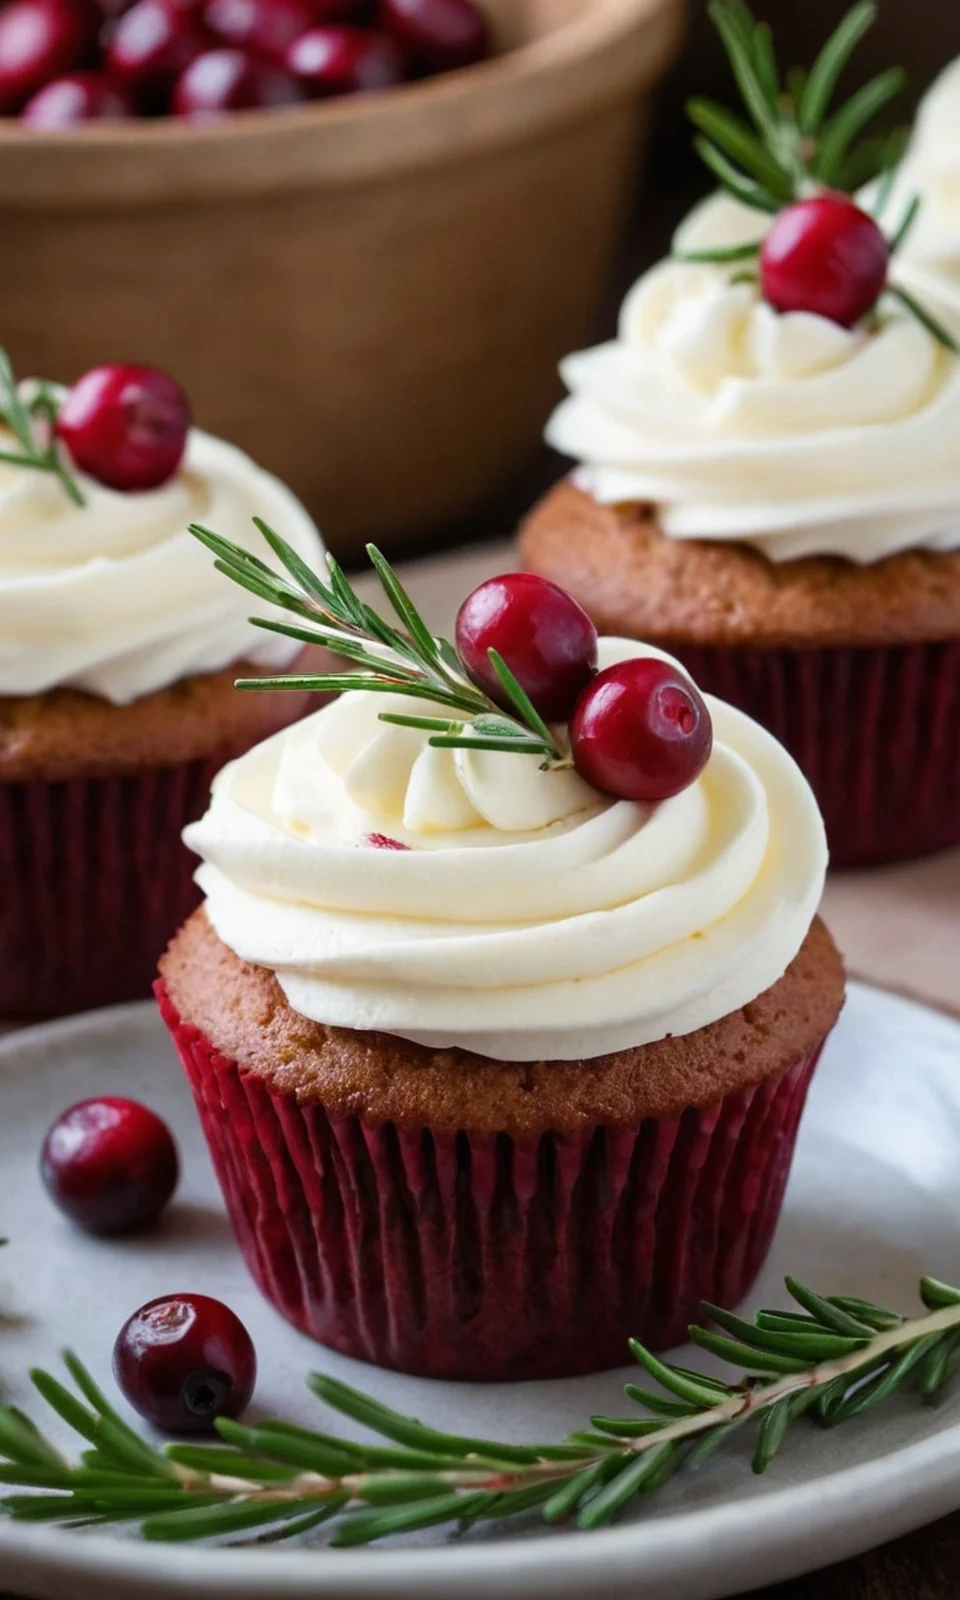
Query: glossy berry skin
x=184 y=1360
x=641 y=731
x=150 y=46
x=824 y=256
x=346 y=60
x=226 y=80
x=268 y=27
x=126 y=426
x=78 y=97
x=40 y=40
x=544 y=636
x=110 y=1165
x=437 y=35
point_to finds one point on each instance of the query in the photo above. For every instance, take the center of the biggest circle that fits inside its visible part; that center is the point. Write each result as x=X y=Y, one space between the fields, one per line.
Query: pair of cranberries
x=64 y=62
x=111 y=1166
x=638 y=730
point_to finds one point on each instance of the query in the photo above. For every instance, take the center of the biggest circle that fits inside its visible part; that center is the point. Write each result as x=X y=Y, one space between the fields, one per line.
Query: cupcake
x=498 y=1067
x=767 y=483
x=119 y=645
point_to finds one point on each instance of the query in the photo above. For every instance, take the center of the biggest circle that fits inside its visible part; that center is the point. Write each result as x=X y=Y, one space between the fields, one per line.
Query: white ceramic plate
x=874 y=1201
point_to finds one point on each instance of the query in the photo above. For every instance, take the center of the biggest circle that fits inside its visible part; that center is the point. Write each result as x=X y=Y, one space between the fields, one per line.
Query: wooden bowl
x=369 y=295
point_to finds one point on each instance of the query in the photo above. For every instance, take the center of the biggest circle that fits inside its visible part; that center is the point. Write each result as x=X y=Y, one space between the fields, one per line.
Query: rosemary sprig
x=833 y=1359
x=43 y=454
x=797 y=149
x=387 y=659
x=796 y=145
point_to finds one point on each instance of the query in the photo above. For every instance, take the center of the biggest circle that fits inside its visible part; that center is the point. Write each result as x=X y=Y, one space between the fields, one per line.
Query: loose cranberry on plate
x=110 y=1165
x=346 y=60
x=227 y=80
x=150 y=46
x=641 y=731
x=183 y=1360
x=544 y=636
x=78 y=97
x=266 y=26
x=825 y=256
x=39 y=40
x=126 y=426
x=437 y=35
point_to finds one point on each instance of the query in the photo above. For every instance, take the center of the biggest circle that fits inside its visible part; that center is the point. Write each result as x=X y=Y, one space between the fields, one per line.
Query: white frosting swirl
x=530 y=917
x=786 y=432
x=930 y=260
x=116 y=597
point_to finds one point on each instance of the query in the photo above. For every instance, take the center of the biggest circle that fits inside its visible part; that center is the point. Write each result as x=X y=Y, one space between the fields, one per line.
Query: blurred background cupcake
x=768 y=479
x=118 y=652
x=496 y=1061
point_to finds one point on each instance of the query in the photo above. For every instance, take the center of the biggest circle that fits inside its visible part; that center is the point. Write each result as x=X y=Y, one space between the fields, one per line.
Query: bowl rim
x=609 y=47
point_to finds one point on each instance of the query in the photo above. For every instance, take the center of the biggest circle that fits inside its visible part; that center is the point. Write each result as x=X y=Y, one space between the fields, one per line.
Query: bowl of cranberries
x=361 y=232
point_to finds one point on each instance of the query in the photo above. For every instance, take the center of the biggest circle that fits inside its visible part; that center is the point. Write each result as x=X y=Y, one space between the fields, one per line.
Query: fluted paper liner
x=462 y=1257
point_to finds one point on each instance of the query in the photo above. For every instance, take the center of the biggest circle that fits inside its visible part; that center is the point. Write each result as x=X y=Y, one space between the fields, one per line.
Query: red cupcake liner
x=96 y=880
x=493 y=1258
x=875 y=730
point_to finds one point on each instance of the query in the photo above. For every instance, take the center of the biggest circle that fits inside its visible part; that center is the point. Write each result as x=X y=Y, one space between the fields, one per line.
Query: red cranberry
x=79 y=97
x=325 y=11
x=641 y=731
x=126 y=426
x=544 y=636
x=110 y=1165
x=268 y=27
x=220 y=81
x=437 y=35
x=825 y=256
x=39 y=40
x=184 y=1360
x=150 y=46
x=345 y=60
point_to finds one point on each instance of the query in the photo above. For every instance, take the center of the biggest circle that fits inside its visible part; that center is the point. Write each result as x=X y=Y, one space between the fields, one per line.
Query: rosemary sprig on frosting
x=41 y=452
x=833 y=1359
x=796 y=145
x=405 y=660
x=799 y=164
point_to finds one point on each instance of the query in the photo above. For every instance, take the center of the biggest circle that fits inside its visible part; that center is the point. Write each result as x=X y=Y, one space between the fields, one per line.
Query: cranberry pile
x=64 y=62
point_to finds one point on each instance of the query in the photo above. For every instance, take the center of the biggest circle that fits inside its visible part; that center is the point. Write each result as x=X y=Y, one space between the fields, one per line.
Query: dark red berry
x=40 y=40
x=437 y=35
x=78 y=97
x=641 y=731
x=268 y=27
x=150 y=46
x=110 y=1165
x=544 y=636
x=126 y=426
x=325 y=11
x=226 y=80
x=825 y=256
x=184 y=1360
x=346 y=60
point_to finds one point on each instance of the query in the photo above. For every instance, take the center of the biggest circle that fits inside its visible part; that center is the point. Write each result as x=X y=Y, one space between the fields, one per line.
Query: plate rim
x=839 y=1513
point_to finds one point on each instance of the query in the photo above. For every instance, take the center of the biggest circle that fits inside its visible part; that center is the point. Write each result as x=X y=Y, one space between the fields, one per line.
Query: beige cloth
x=898 y=927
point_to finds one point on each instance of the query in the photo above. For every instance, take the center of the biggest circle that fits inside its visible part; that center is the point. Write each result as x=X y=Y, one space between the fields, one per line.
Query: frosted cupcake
x=768 y=484
x=118 y=651
x=499 y=1031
